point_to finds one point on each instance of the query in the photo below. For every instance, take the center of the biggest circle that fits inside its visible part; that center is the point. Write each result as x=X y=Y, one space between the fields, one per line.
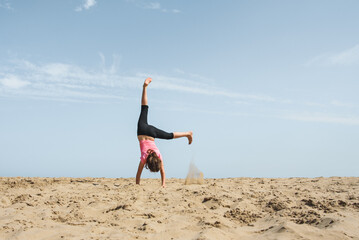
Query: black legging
x=143 y=128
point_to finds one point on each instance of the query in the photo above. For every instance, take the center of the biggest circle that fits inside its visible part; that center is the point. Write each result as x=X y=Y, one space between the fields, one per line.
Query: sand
x=233 y=208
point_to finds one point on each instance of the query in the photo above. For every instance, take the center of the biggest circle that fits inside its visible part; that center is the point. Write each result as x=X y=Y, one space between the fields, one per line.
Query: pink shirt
x=145 y=145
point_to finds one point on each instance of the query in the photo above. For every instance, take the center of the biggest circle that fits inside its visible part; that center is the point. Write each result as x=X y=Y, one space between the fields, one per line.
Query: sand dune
x=234 y=208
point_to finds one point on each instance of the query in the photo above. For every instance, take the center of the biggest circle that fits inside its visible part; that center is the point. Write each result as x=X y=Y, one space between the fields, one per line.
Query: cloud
x=152 y=6
x=341 y=104
x=63 y=80
x=58 y=81
x=347 y=57
x=195 y=87
x=319 y=117
x=5 y=4
x=312 y=117
x=13 y=82
x=87 y=4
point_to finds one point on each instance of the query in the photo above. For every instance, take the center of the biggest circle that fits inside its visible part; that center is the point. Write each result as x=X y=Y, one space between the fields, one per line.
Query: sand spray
x=194 y=175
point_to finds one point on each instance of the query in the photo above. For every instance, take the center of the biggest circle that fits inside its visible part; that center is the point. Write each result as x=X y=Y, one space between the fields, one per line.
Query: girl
x=150 y=155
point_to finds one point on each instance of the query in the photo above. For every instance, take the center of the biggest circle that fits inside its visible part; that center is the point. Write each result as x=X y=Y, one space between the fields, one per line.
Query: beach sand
x=232 y=208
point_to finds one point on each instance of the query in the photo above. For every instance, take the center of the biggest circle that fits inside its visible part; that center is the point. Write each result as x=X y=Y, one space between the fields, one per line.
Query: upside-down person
x=150 y=155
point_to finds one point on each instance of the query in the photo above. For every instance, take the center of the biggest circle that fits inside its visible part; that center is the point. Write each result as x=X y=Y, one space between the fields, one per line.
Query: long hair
x=153 y=162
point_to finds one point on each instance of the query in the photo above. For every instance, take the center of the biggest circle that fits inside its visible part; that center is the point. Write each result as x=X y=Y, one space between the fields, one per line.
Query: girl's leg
x=145 y=129
x=144 y=91
x=142 y=124
x=158 y=133
x=188 y=135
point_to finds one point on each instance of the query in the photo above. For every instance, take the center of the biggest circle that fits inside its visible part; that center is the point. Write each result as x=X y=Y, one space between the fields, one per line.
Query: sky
x=269 y=88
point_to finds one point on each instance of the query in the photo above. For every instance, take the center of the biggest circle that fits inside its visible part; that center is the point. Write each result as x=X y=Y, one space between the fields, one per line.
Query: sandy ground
x=233 y=208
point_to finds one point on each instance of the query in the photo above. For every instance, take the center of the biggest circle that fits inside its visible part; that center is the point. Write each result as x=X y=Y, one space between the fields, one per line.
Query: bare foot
x=147 y=81
x=190 y=137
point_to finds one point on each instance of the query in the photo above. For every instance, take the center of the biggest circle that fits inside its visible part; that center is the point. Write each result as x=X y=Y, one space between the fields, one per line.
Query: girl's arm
x=163 y=175
x=139 y=172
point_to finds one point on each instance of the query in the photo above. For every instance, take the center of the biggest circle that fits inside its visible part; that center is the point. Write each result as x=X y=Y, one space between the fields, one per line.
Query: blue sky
x=269 y=88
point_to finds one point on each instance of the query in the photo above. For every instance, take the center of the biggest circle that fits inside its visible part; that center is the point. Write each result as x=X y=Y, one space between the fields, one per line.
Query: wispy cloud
x=346 y=58
x=342 y=104
x=184 y=85
x=5 y=4
x=292 y=115
x=322 y=118
x=152 y=6
x=12 y=82
x=58 y=81
x=87 y=4
x=61 y=80
x=315 y=104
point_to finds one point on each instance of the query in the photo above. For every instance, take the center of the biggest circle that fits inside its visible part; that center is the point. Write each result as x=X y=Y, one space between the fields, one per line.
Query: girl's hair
x=153 y=162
